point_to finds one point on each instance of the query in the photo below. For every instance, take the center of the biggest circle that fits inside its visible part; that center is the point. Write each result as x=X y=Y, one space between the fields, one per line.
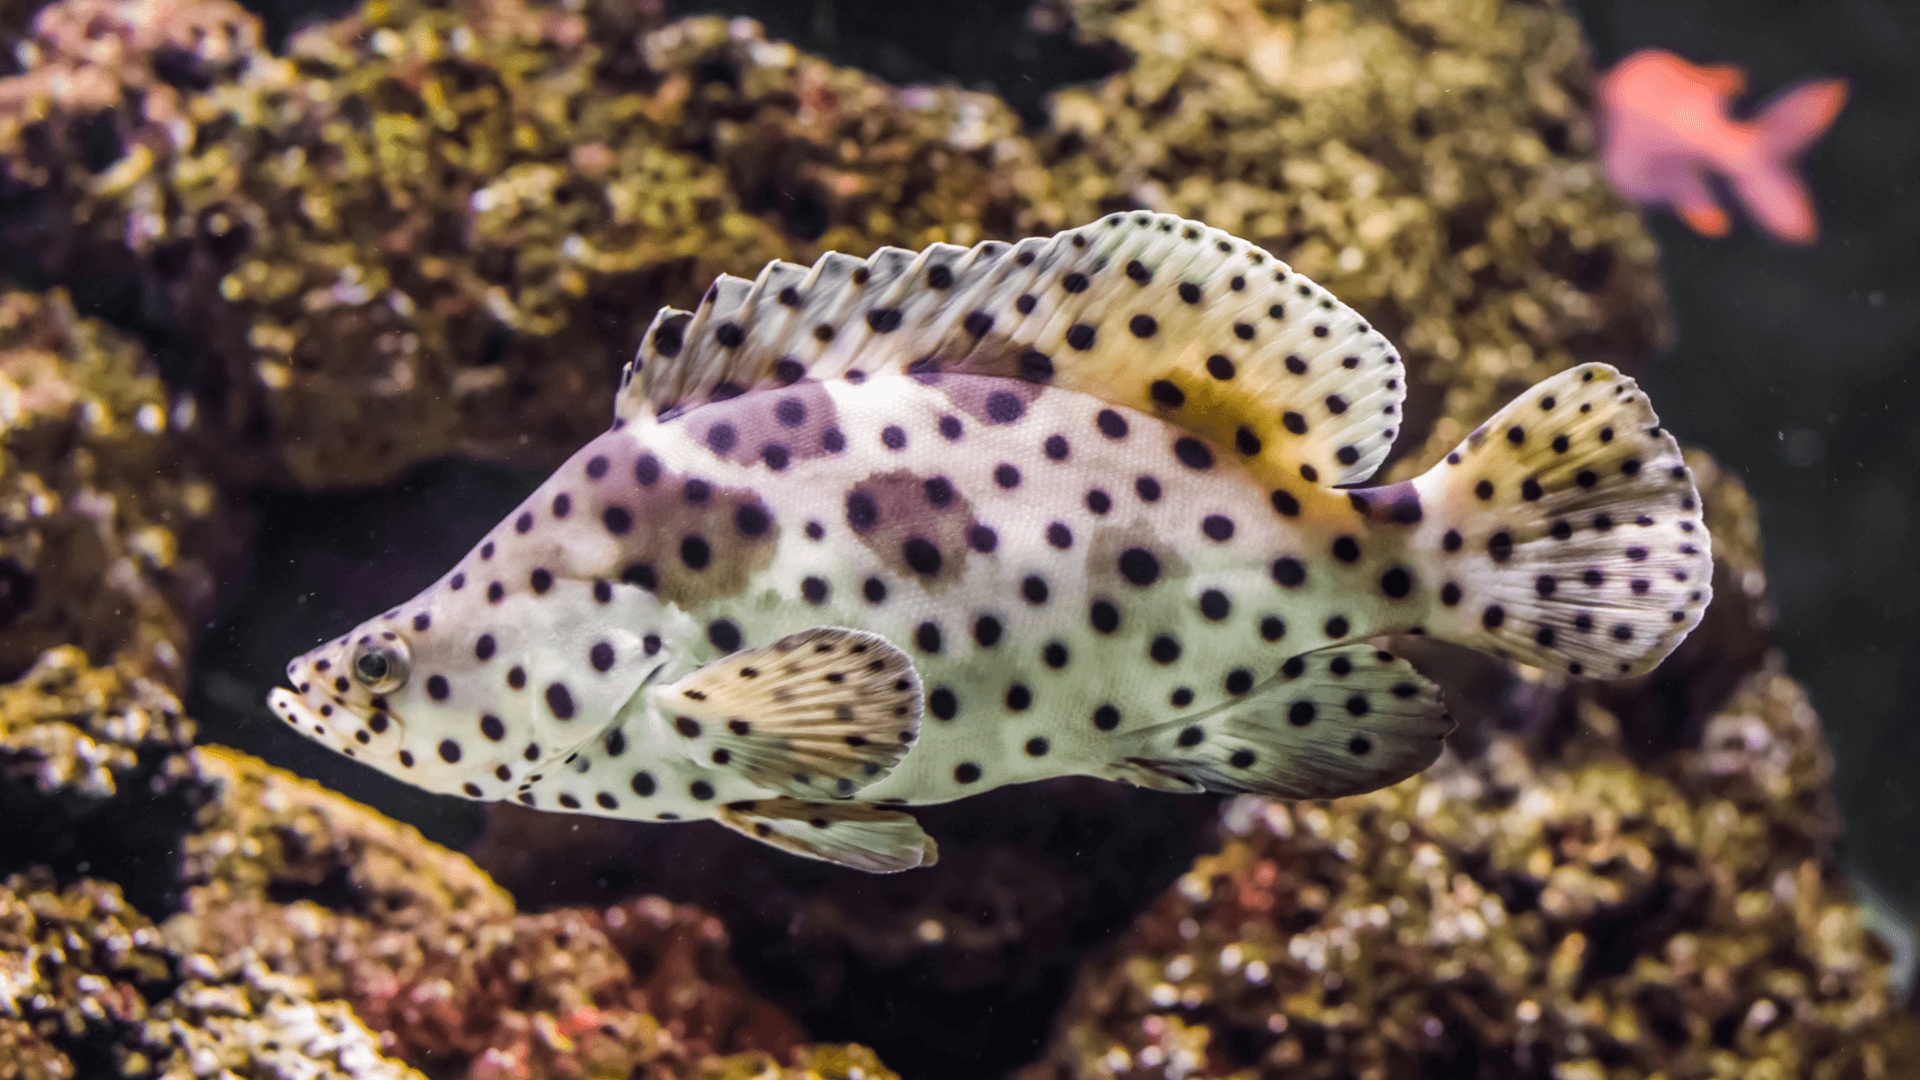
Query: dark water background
x=1798 y=369
x=1795 y=367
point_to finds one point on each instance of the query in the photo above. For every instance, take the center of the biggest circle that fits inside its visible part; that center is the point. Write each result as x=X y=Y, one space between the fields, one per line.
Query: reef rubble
x=432 y=228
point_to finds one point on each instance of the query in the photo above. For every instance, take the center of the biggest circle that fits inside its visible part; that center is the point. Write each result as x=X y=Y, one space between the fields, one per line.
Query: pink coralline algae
x=1665 y=125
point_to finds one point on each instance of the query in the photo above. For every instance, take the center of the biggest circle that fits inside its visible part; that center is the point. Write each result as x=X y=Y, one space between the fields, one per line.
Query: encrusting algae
x=425 y=229
x=337 y=315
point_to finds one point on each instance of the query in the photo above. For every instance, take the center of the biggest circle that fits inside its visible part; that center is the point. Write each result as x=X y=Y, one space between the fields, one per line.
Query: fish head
x=521 y=653
x=383 y=694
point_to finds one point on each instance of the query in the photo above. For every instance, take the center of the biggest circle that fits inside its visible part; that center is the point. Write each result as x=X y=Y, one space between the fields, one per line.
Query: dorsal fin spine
x=1317 y=424
x=771 y=320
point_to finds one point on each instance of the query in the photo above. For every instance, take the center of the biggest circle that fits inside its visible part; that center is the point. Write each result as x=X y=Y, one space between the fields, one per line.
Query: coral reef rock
x=441 y=228
x=432 y=954
x=252 y=922
x=96 y=776
x=1558 y=897
x=1580 y=919
x=105 y=536
x=88 y=989
x=1431 y=163
x=433 y=228
x=949 y=970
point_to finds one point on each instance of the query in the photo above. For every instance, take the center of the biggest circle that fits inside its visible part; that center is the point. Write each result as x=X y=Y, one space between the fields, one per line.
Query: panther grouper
x=903 y=529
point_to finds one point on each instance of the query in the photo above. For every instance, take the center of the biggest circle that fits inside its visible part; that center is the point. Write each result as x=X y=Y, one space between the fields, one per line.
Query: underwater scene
x=1010 y=539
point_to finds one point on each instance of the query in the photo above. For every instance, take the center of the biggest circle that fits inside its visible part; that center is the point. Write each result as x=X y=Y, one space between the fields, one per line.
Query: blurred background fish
x=1665 y=126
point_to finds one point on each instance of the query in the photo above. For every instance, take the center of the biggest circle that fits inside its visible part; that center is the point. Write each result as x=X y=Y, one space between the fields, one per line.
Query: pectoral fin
x=851 y=834
x=819 y=714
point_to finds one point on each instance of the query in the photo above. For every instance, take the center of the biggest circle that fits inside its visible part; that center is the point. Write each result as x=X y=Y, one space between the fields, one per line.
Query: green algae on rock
x=436 y=228
x=88 y=989
x=99 y=518
x=73 y=961
x=96 y=776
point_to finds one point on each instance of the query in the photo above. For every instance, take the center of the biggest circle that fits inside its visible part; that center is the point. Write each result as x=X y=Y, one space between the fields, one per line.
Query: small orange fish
x=1664 y=122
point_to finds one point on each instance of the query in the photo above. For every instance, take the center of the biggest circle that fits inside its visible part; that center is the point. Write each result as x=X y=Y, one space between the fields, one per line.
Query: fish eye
x=381 y=666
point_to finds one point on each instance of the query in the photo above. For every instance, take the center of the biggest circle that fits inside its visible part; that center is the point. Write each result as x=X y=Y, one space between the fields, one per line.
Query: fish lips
x=345 y=730
x=294 y=709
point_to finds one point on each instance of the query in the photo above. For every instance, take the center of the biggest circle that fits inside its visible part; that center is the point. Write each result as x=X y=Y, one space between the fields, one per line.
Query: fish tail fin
x=1770 y=187
x=1790 y=123
x=1566 y=532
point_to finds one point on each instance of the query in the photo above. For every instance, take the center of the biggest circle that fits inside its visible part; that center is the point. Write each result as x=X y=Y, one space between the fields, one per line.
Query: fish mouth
x=292 y=708
x=348 y=728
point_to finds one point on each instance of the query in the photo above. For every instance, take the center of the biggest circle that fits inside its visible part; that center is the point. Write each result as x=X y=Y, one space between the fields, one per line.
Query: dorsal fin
x=1145 y=310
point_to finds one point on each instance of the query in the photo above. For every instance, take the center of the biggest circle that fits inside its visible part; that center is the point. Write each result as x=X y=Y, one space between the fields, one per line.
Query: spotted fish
x=903 y=529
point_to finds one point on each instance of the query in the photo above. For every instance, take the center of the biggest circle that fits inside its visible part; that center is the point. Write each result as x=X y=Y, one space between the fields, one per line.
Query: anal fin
x=818 y=714
x=1340 y=721
x=1152 y=775
x=853 y=834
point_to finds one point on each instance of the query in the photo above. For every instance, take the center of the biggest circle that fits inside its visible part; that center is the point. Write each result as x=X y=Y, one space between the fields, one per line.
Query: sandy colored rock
x=75 y=961
x=79 y=966
x=307 y=935
x=98 y=777
x=24 y=1055
x=432 y=955
x=105 y=535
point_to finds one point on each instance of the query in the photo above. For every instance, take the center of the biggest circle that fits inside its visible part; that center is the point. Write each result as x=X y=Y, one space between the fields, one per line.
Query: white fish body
x=900 y=530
